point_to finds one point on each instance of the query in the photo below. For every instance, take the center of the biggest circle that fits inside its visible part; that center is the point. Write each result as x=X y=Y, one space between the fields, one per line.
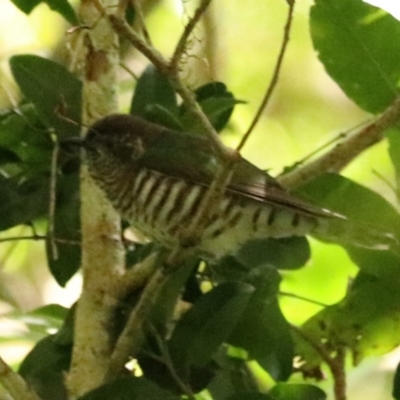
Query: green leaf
x=217 y=103
x=250 y=396
x=8 y=156
x=233 y=376
x=22 y=202
x=44 y=368
x=54 y=91
x=23 y=134
x=130 y=388
x=163 y=309
x=152 y=89
x=45 y=318
x=61 y=6
x=367 y=320
x=66 y=262
x=263 y=331
x=396 y=384
x=208 y=324
x=287 y=253
x=359 y=46
x=292 y=391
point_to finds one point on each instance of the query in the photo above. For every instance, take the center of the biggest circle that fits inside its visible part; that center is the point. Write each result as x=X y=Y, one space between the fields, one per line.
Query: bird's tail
x=344 y=231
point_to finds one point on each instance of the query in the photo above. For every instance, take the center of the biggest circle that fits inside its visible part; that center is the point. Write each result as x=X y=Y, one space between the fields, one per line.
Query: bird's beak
x=71 y=143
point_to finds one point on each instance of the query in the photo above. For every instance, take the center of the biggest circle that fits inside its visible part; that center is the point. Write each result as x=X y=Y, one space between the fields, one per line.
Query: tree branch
x=102 y=250
x=181 y=46
x=14 y=384
x=346 y=151
x=275 y=76
x=123 y=29
x=131 y=337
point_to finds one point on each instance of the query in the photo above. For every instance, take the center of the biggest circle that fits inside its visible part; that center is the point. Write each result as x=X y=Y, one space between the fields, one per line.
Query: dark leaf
x=61 y=6
x=208 y=324
x=67 y=259
x=396 y=384
x=233 y=376
x=160 y=115
x=54 y=91
x=44 y=368
x=152 y=89
x=216 y=102
x=293 y=391
x=359 y=46
x=250 y=396
x=8 y=156
x=23 y=134
x=130 y=388
x=165 y=305
x=263 y=331
x=22 y=202
x=287 y=253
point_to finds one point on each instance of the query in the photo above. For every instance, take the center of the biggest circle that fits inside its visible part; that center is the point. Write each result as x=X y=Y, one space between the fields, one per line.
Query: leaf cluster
x=212 y=320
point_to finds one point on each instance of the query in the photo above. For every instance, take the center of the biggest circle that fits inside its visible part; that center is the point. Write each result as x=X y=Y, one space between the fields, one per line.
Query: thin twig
x=335 y=362
x=14 y=384
x=296 y=296
x=275 y=76
x=52 y=200
x=141 y=22
x=39 y=237
x=122 y=28
x=181 y=46
x=346 y=151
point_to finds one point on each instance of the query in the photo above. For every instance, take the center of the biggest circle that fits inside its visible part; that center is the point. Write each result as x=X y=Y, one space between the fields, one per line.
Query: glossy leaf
x=208 y=324
x=217 y=103
x=61 y=6
x=42 y=319
x=359 y=46
x=65 y=263
x=130 y=388
x=153 y=89
x=54 y=91
x=263 y=331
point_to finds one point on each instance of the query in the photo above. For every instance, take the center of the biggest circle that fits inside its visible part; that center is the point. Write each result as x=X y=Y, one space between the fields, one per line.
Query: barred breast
x=162 y=207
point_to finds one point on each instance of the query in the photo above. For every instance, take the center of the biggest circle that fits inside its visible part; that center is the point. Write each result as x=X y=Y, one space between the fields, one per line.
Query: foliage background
x=308 y=110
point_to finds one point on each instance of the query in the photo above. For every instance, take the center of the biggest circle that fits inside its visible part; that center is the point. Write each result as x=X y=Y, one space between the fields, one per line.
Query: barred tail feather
x=344 y=231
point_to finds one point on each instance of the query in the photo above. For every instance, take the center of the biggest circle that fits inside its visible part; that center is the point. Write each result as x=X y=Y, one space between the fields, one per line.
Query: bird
x=156 y=179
